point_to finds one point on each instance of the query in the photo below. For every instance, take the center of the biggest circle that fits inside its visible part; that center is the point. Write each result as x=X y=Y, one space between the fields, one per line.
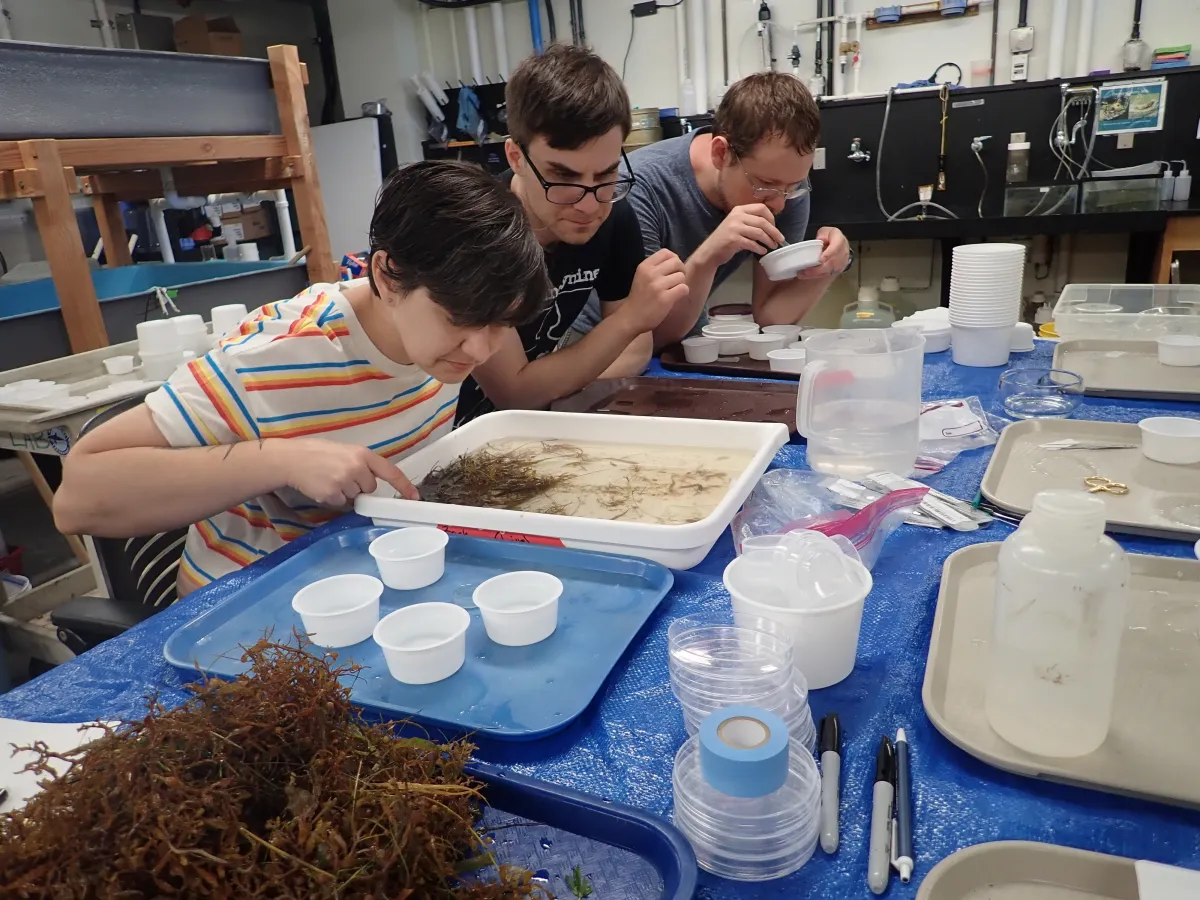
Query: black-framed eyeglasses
x=565 y=194
x=767 y=193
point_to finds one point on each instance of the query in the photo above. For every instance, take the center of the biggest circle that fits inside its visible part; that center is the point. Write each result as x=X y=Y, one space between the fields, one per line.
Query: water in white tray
x=630 y=482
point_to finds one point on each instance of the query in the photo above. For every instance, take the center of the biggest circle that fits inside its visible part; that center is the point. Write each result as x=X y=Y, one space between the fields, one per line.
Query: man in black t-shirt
x=568 y=115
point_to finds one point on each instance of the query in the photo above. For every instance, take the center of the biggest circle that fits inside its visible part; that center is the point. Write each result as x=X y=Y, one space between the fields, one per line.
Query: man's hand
x=332 y=473
x=834 y=258
x=750 y=227
x=659 y=283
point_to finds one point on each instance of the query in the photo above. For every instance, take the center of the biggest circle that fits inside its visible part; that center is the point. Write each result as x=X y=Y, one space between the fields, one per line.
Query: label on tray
x=515 y=536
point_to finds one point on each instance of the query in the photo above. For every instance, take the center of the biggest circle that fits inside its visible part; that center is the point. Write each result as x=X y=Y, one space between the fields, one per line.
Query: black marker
x=830 y=747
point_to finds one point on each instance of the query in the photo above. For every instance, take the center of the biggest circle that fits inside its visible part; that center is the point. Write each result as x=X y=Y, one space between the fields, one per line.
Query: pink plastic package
x=793 y=500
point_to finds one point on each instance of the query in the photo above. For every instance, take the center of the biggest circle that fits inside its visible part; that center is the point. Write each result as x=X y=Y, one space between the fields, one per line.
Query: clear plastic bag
x=787 y=500
x=948 y=427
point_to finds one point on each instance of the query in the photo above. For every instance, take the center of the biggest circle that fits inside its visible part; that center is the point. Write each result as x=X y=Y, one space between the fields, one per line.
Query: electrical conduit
x=1058 y=39
x=698 y=47
x=535 y=25
x=500 y=36
x=473 y=45
x=1083 y=47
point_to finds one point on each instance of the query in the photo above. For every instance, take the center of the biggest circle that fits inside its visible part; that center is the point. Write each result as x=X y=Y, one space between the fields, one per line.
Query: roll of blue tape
x=744 y=751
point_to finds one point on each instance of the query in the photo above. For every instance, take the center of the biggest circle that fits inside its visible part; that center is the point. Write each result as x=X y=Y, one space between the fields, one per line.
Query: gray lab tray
x=1150 y=750
x=1023 y=870
x=1163 y=500
x=1127 y=369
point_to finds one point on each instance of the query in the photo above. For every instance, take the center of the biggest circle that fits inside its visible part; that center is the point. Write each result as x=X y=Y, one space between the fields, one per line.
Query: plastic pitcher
x=860 y=401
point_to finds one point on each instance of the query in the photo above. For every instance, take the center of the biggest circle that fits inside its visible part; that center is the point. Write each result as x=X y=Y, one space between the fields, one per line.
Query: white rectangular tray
x=1163 y=500
x=1131 y=369
x=1150 y=750
x=675 y=546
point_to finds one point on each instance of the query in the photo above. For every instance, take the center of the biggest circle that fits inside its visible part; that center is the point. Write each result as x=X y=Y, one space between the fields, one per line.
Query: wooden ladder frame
x=47 y=171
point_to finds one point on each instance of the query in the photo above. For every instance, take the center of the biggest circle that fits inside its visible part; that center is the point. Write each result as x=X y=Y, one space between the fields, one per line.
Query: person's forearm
x=700 y=270
x=144 y=490
x=789 y=302
x=542 y=381
x=633 y=360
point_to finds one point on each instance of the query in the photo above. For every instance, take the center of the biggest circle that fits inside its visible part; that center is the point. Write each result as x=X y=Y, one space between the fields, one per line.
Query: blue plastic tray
x=508 y=693
x=625 y=853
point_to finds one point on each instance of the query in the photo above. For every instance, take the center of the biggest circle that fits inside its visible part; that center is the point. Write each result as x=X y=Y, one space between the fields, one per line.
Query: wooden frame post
x=64 y=246
x=306 y=186
x=112 y=230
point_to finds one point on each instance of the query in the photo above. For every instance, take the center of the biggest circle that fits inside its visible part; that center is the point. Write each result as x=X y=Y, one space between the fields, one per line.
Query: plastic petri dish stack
x=714 y=666
x=754 y=838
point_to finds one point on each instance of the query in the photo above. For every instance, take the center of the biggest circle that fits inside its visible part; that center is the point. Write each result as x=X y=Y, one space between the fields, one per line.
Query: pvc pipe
x=473 y=45
x=698 y=47
x=458 y=70
x=425 y=11
x=171 y=196
x=858 y=22
x=106 y=33
x=681 y=47
x=535 y=25
x=839 y=71
x=283 y=213
x=1083 y=47
x=1058 y=39
x=159 y=221
x=5 y=31
x=500 y=36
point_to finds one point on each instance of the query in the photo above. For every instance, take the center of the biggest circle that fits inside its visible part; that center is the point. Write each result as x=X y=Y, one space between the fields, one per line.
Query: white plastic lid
x=868 y=297
x=889 y=285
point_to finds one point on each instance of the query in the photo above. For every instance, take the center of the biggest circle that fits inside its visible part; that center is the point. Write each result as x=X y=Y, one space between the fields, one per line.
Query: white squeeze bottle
x=1061 y=588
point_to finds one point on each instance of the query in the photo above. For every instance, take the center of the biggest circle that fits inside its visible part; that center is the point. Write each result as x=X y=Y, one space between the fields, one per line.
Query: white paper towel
x=58 y=736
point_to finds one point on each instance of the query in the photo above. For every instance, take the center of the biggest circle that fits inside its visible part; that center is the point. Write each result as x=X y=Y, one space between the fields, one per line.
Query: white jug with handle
x=860 y=401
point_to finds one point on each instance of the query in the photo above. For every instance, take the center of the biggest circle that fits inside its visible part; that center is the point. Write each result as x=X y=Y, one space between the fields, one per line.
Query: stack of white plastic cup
x=193 y=333
x=715 y=666
x=160 y=348
x=985 y=301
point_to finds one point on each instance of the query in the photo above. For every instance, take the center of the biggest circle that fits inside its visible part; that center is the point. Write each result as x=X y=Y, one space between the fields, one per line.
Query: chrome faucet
x=857 y=153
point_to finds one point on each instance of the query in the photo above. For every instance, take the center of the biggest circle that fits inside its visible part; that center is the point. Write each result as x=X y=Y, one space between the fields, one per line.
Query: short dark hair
x=454 y=230
x=568 y=95
x=766 y=105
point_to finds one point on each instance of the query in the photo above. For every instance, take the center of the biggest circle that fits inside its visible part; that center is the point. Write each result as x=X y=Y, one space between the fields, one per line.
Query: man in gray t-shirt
x=717 y=195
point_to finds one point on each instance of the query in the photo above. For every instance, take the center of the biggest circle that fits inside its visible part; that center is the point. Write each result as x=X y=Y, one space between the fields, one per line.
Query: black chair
x=139 y=574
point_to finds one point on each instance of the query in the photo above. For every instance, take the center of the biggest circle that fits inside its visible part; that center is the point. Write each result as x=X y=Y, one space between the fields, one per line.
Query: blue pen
x=902 y=859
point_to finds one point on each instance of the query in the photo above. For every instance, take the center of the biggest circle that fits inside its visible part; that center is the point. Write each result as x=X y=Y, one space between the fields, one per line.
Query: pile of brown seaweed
x=491 y=479
x=270 y=786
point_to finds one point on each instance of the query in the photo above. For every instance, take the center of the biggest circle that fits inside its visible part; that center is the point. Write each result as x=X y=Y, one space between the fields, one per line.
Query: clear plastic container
x=1111 y=310
x=1061 y=589
x=868 y=311
x=749 y=838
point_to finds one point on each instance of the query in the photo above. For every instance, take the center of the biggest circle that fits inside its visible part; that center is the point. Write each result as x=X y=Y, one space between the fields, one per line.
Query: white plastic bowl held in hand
x=410 y=558
x=787 y=360
x=700 y=349
x=787 y=262
x=825 y=639
x=1171 y=439
x=339 y=611
x=519 y=608
x=762 y=344
x=981 y=347
x=425 y=642
x=1179 y=350
x=118 y=365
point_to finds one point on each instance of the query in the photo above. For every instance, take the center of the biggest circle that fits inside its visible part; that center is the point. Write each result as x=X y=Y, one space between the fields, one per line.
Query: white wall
x=889 y=55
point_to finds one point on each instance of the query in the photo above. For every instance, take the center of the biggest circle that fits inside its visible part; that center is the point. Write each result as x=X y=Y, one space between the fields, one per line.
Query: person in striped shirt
x=312 y=400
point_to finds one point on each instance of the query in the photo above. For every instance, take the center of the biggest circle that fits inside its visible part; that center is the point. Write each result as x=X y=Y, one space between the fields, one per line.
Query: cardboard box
x=251 y=224
x=215 y=37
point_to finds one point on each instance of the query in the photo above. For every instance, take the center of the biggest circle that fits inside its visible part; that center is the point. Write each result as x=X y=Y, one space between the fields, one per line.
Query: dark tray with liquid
x=673 y=360
x=687 y=398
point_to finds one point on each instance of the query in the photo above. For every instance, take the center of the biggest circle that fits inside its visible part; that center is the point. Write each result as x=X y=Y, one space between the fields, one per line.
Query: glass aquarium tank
x=1040 y=200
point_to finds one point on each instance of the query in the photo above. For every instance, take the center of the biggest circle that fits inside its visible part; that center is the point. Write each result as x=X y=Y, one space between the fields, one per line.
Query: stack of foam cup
x=985 y=302
x=160 y=347
x=713 y=666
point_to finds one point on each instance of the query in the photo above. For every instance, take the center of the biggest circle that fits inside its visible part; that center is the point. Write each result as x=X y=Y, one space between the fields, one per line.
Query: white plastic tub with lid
x=675 y=546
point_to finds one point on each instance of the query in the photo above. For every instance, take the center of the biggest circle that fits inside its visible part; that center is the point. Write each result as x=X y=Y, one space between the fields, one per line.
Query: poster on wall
x=1127 y=107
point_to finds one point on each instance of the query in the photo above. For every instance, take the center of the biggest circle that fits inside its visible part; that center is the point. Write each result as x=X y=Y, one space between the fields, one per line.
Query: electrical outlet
x=819 y=158
x=1125 y=141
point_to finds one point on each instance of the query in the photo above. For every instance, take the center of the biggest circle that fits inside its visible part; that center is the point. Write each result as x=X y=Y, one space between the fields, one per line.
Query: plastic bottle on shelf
x=1061 y=590
x=1183 y=184
x=868 y=312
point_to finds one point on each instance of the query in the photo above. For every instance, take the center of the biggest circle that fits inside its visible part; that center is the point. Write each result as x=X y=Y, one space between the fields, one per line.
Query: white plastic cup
x=410 y=558
x=791 y=333
x=1179 y=350
x=248 y=252
x=1022 y=338
x=825 y=640
x=157 y=337
x=788 y=360
x=1174 y=440
x=226 y=318
x=118 y=365
x=762 y=344
x=425 y=642
x=700 y=349
x=160 y=366
x=519 y=608
x=981 y=346
x=339 y=611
